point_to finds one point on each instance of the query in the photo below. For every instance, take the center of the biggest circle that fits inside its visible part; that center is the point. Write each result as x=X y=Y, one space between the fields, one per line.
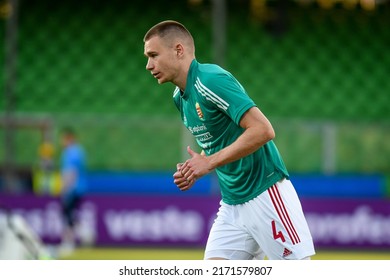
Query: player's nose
x=149 y=65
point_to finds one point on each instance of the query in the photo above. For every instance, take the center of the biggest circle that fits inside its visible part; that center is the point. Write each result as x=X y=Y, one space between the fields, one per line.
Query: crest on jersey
x=199 y=111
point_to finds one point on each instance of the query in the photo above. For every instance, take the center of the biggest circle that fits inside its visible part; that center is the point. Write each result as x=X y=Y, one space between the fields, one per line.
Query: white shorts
x=271 y=225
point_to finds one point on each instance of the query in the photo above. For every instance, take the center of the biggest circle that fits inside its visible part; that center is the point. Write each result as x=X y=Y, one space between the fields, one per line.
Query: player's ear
x=179 y=50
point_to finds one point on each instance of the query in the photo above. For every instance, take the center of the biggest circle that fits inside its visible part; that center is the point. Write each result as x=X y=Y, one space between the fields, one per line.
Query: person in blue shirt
x=74 y=185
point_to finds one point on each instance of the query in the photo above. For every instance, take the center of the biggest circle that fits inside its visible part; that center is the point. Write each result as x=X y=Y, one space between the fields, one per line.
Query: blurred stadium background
x=318 y=69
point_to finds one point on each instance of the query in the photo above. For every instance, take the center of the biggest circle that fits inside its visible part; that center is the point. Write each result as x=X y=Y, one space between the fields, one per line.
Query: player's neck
x=181 y=80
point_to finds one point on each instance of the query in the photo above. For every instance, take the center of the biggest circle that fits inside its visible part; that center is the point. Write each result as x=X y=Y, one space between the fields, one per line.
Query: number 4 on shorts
x=276 y=234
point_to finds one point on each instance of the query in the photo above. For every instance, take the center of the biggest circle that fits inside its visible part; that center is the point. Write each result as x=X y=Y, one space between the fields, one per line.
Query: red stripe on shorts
x=283 y=214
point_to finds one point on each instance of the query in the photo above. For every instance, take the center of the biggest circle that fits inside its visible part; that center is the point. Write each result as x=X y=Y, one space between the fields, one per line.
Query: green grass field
x=197 y=254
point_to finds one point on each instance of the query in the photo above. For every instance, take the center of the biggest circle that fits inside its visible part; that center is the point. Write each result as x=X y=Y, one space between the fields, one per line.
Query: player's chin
x=161 y=81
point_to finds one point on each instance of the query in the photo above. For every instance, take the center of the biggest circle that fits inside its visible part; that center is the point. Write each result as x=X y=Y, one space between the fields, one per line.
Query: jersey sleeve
x=227 y=94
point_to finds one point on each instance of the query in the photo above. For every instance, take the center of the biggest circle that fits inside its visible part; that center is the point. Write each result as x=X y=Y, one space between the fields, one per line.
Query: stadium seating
x=82 y=63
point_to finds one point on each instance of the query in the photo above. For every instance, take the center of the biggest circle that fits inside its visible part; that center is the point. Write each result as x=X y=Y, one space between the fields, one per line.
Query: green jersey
x=211 y=108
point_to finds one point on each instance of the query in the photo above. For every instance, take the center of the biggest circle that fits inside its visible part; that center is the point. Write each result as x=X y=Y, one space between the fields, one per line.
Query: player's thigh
x=278 y=225
x=227 y=240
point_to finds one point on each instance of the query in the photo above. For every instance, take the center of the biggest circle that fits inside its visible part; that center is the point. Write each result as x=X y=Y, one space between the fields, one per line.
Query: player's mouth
x=156 y=74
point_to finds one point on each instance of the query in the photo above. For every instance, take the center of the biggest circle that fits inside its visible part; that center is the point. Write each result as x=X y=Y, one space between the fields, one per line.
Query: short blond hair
x=169 y=30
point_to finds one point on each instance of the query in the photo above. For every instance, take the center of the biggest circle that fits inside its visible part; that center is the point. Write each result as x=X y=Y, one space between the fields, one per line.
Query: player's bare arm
x=258 y=131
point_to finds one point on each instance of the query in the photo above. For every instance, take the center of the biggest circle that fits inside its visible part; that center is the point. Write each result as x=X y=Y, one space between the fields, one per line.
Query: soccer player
x=260 y=213
x=74 y=185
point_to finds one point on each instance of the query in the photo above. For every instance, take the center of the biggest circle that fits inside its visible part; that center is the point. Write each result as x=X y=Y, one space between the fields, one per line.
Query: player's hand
x=195 y=167
x=180 y=181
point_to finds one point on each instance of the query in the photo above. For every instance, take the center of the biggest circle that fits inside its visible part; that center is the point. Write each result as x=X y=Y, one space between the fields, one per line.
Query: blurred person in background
x=260 y=213
x=46 y=179
x=74 y=185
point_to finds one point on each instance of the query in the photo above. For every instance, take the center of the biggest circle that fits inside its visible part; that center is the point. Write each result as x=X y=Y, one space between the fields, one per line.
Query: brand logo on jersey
x=286 y=252
x=199 y=111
